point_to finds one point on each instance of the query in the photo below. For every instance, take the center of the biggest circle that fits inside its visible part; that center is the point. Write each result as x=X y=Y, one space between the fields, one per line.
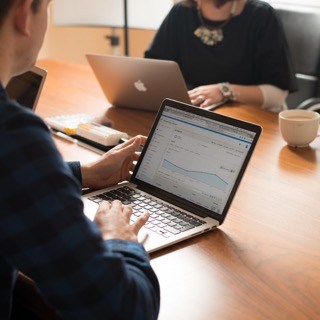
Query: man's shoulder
x=13 y=115
x=21 y=129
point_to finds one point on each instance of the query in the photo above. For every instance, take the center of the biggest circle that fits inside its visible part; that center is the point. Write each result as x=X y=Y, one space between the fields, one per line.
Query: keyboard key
x=171 y=230
x=186 y=228
x=163 y=233
x=164 y=220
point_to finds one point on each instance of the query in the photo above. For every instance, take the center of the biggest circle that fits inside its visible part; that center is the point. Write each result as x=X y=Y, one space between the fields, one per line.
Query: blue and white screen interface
x=195 y=158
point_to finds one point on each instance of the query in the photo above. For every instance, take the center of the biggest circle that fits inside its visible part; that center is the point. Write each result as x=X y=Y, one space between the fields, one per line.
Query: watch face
x=225 y=90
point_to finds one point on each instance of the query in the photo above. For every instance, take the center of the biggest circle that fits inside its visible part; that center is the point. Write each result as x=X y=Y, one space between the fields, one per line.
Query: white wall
x=142 y=14
x=312 y=3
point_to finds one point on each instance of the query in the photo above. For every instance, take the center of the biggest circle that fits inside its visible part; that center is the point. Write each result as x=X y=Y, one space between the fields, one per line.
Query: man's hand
x=113 y=220
x=114 y=166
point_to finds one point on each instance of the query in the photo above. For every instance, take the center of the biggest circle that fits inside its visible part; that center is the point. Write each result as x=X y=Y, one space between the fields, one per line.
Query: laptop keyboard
x=164 y=219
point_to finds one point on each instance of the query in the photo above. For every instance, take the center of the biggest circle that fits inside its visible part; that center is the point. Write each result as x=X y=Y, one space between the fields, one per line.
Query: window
x=311 y=3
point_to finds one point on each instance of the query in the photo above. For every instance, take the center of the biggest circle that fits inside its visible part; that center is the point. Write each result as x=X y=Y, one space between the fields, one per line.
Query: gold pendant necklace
x=208 y=35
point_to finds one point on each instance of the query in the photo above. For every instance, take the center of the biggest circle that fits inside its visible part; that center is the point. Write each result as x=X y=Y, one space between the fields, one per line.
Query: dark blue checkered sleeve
x=44 y=234
x=76 y=170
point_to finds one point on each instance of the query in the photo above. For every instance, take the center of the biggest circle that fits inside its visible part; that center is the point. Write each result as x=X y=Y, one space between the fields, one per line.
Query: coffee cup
x=299 y=127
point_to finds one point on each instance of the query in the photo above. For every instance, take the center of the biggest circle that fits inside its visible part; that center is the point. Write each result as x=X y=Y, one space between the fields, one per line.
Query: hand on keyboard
x=113 y=220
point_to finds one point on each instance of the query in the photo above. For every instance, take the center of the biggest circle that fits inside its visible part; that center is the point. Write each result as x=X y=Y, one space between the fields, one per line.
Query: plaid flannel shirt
x=45 y=235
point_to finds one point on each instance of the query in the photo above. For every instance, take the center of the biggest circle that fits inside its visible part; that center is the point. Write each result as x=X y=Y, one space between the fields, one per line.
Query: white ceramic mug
x=299 y=127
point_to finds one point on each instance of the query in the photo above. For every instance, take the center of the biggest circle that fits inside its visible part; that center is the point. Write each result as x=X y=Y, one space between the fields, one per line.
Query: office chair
x=302 y=28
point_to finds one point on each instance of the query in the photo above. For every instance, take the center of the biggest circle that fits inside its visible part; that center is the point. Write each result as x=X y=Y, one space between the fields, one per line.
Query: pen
x=63 y=136
x=73 y=140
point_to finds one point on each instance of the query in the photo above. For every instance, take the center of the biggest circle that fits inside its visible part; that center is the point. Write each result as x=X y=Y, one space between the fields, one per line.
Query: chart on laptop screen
x=195 y=158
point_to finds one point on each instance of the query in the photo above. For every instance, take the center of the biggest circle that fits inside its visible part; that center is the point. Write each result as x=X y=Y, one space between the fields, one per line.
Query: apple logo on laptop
x=139 y=85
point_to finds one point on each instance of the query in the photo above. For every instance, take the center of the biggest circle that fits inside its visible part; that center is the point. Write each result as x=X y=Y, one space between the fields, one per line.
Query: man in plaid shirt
x=83 y=269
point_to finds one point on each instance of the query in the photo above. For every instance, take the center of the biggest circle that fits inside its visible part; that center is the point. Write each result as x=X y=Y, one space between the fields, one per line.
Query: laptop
x=26 y=87
x=187 y=175
x=139 y=83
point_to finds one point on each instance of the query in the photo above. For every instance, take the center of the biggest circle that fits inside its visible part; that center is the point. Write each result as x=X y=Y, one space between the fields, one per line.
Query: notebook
x=26 y=87
x=187 y=175
x=139 y=83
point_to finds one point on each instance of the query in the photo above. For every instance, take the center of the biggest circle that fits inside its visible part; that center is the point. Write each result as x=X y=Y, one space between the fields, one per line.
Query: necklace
x=212 y=35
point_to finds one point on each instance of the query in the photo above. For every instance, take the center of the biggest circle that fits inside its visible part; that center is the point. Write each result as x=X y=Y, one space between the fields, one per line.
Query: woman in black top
x=228 y=50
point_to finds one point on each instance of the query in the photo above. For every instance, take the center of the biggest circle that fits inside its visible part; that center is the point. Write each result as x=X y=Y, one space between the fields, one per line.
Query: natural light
x=314 y=3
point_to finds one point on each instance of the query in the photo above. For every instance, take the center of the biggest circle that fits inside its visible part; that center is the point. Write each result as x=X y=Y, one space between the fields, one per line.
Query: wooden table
x=264 y=261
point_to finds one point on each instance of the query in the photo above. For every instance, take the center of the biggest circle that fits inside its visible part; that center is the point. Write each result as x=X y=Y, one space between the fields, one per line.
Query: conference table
x=264 y=261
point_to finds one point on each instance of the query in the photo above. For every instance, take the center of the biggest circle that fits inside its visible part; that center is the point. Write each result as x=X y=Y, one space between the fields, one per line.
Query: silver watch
x=226 y=91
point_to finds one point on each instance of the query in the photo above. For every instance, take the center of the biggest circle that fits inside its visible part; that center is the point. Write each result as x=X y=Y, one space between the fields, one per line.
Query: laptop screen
x=196 y=157
x=25 y=88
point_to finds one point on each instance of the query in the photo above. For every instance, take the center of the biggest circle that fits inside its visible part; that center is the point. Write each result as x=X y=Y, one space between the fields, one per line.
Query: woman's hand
x=205 y=96
x=114 y=166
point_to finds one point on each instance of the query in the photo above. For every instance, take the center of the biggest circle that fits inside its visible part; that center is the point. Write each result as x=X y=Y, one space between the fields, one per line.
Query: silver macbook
x=137 y=82
x=26 y=87
x=187 y=174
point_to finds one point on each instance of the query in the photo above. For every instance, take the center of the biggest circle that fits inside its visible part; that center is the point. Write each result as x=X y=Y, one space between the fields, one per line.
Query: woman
x=228 y=50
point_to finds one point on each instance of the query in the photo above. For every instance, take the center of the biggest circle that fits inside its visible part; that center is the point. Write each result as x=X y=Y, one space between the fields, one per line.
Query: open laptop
x=187 y=174
x=26 y=87
x=139 y=83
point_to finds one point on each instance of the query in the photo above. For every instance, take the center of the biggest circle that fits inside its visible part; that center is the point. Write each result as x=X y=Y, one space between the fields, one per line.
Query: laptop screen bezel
x=35 y=75
x=181 y=202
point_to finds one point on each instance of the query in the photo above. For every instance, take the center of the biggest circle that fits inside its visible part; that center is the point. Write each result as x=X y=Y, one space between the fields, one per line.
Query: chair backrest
x=302 y=28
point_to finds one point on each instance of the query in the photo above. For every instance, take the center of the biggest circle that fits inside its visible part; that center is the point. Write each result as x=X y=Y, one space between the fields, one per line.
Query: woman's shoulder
x=181 y=13
x=259 y=7
x=259 y=13
x=181 y=8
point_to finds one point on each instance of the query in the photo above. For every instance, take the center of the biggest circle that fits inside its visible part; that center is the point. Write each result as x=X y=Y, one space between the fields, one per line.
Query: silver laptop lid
x=137 y=82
